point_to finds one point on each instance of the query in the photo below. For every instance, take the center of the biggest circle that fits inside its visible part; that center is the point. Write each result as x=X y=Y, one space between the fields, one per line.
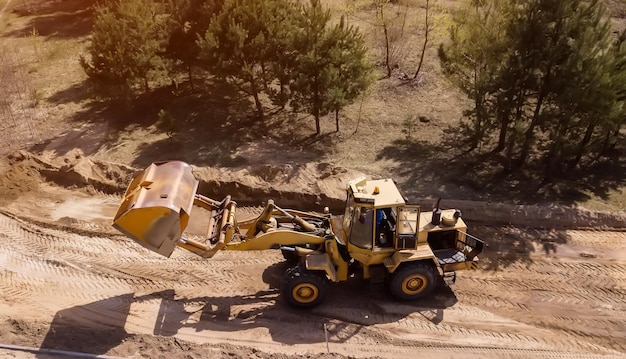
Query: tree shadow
x=508 y=245
x=424 y=169
x=599 y=178
x=76 y=93
x=204 y=126
x=217 y=126
x=449 y=170
x=97 y=127
x=56 y=18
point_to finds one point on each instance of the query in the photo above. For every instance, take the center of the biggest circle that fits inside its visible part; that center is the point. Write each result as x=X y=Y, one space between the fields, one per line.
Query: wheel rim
x=414 y=284
x=305 y=293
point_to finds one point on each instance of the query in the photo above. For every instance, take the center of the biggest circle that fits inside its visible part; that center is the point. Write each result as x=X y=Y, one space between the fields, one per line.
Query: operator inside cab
x=385 y=226
x=367 y=232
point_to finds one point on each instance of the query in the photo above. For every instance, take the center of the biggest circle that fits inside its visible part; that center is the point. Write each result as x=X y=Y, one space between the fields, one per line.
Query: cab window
x=361 y=234
x=347 y=216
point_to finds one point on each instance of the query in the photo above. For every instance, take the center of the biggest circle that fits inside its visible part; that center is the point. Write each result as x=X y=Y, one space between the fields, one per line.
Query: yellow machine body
x=156 y=206
x=377 y=231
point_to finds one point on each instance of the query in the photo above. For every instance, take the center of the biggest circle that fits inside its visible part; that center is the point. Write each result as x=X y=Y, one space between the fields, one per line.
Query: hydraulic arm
x=157 y=204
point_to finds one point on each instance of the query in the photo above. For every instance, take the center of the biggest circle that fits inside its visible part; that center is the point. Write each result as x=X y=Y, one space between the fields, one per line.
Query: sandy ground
x=71 y=286
x=69 y=282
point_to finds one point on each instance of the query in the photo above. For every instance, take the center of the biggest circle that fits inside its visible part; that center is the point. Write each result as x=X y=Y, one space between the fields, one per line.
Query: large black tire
x=303 y=288
x=413 y=281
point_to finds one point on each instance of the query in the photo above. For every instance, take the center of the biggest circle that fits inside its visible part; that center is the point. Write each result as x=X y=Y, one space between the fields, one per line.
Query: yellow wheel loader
x=379 y=237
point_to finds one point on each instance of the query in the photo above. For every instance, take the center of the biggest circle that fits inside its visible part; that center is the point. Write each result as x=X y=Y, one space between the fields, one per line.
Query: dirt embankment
x=311 y=186
x=27 y=170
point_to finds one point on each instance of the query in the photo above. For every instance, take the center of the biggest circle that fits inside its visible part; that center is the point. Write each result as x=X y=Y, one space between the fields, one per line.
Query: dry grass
x=40 y=61
x=218 y=128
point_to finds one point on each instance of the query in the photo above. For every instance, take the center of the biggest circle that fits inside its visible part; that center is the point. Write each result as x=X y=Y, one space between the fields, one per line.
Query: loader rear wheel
x=303 y=288
x=413 y=281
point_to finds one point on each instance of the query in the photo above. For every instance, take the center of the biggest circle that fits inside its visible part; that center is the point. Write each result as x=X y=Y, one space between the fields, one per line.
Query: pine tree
x=331 y=69
x=552 y=86
x=583 y=90
x=127 y=41
x=188 y=19
x=237 y=44
x=563 y=68
x=281 y=42
x=472 y=60
x=352 y=74
x=611 y=133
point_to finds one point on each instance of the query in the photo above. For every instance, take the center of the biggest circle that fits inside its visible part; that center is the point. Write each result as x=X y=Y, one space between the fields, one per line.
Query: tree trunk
x=419 y=66
x=505 y=121
x=478 y=105
x=255 y=94
x=529 y=134
x=318 y=130
x=581 y=147
x=426 y=31
x=358 y=119
x=555 y=154
x=190 y=77
x=406 y=10
x=282 y=95
x=503 y=118
x=387 y=61
x=316 y=105
x=337 y=120
x=259 y=106
x=607 y=144
x=264 y=77
x=543 y=92
x=381 y=7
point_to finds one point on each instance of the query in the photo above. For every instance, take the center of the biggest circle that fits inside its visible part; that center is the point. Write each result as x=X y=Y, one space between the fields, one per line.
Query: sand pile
x=72 y=169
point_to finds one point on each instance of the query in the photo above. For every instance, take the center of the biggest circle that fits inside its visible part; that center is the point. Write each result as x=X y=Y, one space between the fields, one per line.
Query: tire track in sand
x=41 y=262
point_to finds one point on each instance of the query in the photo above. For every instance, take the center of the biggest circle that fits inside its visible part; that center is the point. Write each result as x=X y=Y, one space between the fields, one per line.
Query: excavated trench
x=308 y=189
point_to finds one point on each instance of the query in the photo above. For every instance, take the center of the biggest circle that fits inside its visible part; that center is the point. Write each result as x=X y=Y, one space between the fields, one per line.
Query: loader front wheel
x=291 y=257
x=413 y=281
x=303 y=288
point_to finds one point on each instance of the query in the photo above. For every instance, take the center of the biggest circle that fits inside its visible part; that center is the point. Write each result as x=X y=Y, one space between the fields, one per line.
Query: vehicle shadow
x=351 y=307
x=364 y=304
x=92 y=328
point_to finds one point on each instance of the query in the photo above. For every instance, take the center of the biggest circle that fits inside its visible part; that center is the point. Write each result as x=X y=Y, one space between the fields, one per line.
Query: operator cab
x=377 y=217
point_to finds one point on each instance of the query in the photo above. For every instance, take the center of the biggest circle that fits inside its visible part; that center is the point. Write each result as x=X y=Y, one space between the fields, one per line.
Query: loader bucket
x=156 y=206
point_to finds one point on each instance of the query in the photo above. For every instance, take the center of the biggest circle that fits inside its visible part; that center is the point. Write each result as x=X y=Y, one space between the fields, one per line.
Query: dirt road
x=68 y=282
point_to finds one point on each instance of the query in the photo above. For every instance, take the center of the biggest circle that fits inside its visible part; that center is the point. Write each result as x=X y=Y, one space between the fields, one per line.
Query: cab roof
x=379 y=193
